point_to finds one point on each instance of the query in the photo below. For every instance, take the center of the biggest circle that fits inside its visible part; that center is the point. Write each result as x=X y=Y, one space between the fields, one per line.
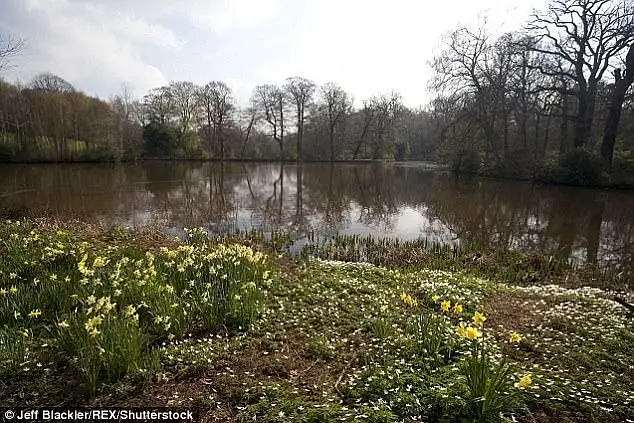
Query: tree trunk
x=621 y=84
x=563 y=128
x=332 y=142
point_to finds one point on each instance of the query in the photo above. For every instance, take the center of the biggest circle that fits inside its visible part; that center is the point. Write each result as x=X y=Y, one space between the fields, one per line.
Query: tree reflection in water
x=379 y=200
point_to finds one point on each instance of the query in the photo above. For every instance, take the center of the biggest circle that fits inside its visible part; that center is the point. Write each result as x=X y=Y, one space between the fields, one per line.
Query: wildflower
x=445 y=305
x=457 y=308
x=515 y=337
x=13 y=290
x=472 y=333
x=94 y=332
x=408 y=299
x=91 y=300
x=12 y=275
x=461 y=330
x=435 y=298
x=53 y=276
x=3 y=292
x=99 y=262
x=479 y=318
x=524 y=382
x=34 y=314
x=63 y=324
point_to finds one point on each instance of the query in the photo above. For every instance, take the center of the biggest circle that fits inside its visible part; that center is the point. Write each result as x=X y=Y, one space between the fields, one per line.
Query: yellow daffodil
x=63 y=324
x=34 y=314
x=524 y=382
x=472 y=333
x=94 y=332
x=445 y=305
x=3 y=292
x=435 y=298
x=457 y=308
x=461 y=330
x=479 y=318
x=408 y=299
x=515 y=337
x=13 y=290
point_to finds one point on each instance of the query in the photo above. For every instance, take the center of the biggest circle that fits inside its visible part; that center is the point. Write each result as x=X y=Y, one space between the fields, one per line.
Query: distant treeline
x=49 y=120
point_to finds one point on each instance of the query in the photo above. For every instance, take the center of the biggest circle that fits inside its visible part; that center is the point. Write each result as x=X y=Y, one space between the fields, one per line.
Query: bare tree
x=51 y=83
x=185 y=102
x=9 y=48
x=271 y=102
x=621 y=85
x=388 y=109
x=217 y=102
x=338 y=105
x=587 y=36
x=300 y=91
x=246 y=121
x=368 y=112
x=158 y=106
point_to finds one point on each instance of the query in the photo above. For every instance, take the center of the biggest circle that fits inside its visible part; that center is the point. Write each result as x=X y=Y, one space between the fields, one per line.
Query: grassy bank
x=244 y=332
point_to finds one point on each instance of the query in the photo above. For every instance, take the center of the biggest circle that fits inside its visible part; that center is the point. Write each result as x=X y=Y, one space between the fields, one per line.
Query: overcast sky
x=366 y=46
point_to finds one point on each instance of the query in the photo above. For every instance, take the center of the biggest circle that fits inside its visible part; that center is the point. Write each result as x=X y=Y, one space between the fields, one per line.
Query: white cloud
x=367 y=46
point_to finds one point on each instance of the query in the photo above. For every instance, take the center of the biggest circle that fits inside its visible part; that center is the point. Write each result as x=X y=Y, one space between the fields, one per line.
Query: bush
x=466 y=161
x=578 y=167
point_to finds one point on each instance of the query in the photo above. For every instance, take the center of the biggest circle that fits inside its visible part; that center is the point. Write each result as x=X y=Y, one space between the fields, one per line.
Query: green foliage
x=577 y=167
x=491 y=390
x=432 y=340
x=159 y=140
x=107 y=308
x=14 y=350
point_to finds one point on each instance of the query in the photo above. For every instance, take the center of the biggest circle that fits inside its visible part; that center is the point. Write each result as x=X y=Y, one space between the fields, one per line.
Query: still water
x=405 y=201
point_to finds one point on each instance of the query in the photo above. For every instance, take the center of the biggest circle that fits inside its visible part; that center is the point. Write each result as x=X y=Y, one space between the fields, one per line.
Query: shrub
x=466 y=161
x=577 y=167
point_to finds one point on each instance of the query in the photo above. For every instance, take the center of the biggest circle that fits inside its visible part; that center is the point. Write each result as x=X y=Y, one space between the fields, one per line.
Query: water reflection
x=380 y=200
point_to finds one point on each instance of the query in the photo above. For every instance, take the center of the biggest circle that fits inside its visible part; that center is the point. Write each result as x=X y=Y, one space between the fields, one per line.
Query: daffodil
x=408 y=299
x=524 y=382
x=461 y=330
x=445 y=305
x=13 y=290
x=457 y=308
x=472 y=333
x=34 y=314
x=63 y=324
x=479 y=318
x=435 y=298
x=515 y=337
x=3 y=292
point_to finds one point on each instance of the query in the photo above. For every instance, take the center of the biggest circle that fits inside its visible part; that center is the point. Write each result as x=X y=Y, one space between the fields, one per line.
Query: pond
x=407 y=201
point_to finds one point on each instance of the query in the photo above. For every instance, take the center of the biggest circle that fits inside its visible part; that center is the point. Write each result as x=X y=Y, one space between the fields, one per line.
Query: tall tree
x=338 y=105
x=621 y=85
x=271 y=102
x=158 y=106
x=185 y=103
x=586 y=35
x=300 y=91
x=218 y=105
